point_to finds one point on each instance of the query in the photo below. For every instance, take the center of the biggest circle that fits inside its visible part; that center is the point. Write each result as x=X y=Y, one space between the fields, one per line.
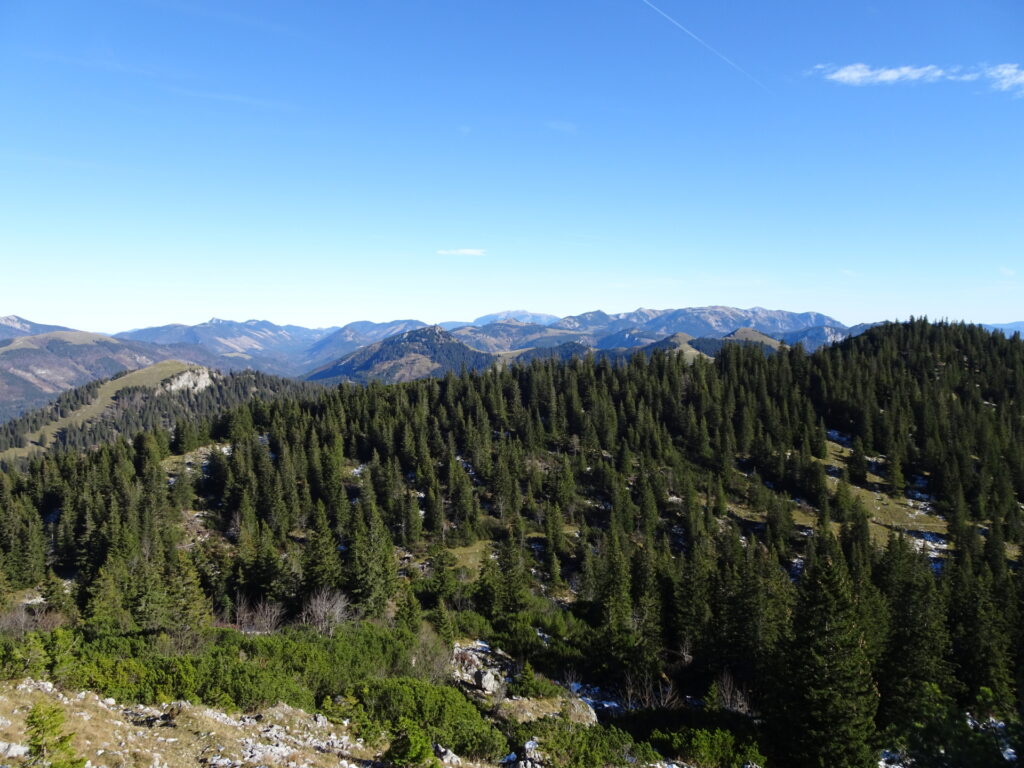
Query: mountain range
x=38 y=361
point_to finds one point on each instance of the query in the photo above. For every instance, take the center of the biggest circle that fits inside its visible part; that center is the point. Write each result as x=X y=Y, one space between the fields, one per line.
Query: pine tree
x=374 y=572
x=918 y=643
x=190 y=609
x=106 y=612
x=5 y=586
x=829 y=720
x=408 y=615
x=322 y=567
x=47 y=743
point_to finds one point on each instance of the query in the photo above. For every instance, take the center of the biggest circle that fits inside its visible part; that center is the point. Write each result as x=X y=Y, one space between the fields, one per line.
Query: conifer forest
x=700 y=548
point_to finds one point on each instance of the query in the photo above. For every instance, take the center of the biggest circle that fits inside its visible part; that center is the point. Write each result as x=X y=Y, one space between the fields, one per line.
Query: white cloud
x=1007 y=77
x=1001 y=77
x=462 y=252
x=1007 y=272
x=862 y=74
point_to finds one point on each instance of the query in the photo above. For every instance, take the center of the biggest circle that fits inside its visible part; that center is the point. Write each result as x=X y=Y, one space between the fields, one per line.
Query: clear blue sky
x=322 y=162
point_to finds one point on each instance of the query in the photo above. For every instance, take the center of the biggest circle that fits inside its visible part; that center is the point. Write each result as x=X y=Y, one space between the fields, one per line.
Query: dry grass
x=179 y=735
x=470 y=557
x=887 y=513
x=151 y=376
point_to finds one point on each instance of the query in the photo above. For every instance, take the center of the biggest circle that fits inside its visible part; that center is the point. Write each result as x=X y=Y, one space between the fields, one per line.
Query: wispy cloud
x=202 y=10
x=109 y=62
x=1007 y=272
x=1001 y=77
x=462 y=252
x=1007 y=77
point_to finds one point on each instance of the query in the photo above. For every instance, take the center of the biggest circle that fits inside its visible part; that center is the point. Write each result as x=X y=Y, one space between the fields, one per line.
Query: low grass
x=150 y=376
x=887 y=513
x=41 y=340
x=135 y=736
x=471 y=556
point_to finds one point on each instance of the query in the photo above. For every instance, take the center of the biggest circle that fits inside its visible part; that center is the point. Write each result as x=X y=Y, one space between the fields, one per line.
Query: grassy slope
x=40 y=341
x=887 y=513
x=150 y=376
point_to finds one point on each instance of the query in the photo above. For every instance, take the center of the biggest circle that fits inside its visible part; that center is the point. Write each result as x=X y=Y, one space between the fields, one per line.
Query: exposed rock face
x=531 y=756
x=194 y=379
x=487 y=681
x=446 y=756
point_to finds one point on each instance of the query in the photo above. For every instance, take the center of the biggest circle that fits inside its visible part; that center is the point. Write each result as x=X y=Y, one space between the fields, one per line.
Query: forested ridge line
x=135 y=408
x=630 y=525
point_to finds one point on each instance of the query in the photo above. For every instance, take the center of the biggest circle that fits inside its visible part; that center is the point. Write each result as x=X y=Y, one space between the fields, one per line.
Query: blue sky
x=322 y=162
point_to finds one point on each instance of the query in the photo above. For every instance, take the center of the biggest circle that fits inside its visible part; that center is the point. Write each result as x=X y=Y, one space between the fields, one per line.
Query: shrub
x=534 y=686
x=411 y=746
x=708 y=748
x=447 y=717
x=47 y=741
x=571 y=745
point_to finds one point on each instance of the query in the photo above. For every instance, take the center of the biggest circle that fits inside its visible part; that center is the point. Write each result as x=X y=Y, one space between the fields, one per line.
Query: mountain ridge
x=41 y=369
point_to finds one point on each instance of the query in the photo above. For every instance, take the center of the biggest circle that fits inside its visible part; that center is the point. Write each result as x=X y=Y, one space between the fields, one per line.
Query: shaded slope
x=429 y=351
x=34 y=369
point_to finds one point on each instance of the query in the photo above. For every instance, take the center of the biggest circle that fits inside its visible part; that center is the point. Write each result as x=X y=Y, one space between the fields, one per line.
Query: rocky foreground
x=109 y=733
x=112 y=734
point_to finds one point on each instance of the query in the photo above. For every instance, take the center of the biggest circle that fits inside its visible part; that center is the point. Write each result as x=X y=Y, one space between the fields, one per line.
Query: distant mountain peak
x=13 y=326
x=426 y=351
x=13 y=321
x=520 y=315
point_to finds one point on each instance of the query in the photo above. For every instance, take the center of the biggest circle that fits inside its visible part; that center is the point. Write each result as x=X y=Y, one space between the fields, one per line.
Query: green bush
x=572 y=745
x=237 y=671
x=447 y=717
x=411 y=747
x=472 y=624
x=704 y=748
x=534 y=686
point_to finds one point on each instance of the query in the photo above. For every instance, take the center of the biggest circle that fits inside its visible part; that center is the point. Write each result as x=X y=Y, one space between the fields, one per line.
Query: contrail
x=722 y=56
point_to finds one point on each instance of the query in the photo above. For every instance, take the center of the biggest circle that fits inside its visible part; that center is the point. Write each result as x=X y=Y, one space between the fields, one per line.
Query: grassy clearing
x=41 y=340
x=470 y=557
x=150 y=376
x=887 y=513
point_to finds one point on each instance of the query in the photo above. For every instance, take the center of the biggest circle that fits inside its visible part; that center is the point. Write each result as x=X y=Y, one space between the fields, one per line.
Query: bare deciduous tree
x=327 y=609
x=731 y=695
x=647 y=691
x=263 y=618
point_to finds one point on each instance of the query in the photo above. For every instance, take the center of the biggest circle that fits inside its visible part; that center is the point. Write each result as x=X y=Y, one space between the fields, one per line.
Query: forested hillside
x=168 y=395
x=695 y=542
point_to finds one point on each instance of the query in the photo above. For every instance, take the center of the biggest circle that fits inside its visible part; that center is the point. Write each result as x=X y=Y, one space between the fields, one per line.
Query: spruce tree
x=829 y=717
x=322 y=567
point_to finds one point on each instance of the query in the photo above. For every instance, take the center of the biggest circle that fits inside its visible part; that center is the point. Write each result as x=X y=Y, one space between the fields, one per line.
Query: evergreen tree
x=322 y=566
x=830 y=717
x=47 y=742
x=106 y=612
